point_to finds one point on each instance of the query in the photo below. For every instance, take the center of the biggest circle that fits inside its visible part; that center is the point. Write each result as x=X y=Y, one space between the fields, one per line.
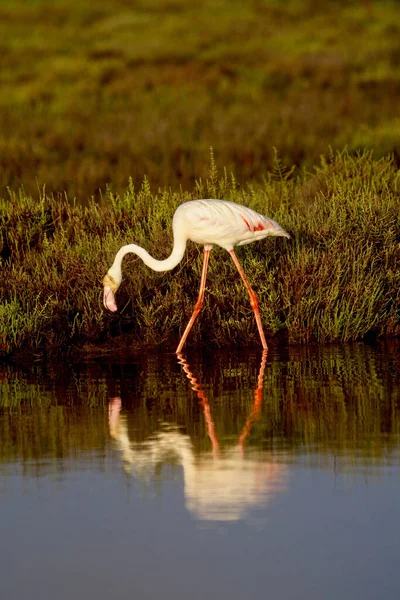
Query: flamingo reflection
x=255 y=413
x=219 y=485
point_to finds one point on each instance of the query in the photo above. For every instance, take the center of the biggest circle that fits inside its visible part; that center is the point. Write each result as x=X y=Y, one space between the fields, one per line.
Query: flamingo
x=209 y=223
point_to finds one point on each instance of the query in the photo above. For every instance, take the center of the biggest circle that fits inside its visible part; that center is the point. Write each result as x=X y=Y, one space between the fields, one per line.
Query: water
x=228 y=475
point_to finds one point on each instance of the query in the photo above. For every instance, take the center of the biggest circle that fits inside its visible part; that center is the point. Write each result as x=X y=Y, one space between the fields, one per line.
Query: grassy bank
x=338 y=279
x=95 y=92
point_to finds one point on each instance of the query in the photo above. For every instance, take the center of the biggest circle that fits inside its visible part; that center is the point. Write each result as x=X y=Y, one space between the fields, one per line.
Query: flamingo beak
x=109 y=299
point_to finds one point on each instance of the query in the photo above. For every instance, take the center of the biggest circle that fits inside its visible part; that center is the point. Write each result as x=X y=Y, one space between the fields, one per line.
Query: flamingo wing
x=225 y=223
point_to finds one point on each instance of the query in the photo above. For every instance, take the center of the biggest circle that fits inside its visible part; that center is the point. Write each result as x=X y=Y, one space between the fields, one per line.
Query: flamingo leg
x=253 y=298
x=200 y=300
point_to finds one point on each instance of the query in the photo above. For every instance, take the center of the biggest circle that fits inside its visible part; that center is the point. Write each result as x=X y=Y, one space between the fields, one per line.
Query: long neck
x=157 y=265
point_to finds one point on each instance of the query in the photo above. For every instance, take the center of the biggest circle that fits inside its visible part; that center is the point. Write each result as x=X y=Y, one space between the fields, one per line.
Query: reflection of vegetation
x=96 y=91
x=59 y=417
x=337 y=279
x=337 y=400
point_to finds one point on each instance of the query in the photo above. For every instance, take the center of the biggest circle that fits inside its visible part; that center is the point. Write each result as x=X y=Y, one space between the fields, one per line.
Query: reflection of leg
x=114 y=408
x=196 y=387
x=258 y=396
x=200 y=300
x=210 y=423
x=253 y=299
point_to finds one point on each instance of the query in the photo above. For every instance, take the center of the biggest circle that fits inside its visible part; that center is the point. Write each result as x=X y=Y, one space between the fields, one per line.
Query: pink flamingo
x=206 y=222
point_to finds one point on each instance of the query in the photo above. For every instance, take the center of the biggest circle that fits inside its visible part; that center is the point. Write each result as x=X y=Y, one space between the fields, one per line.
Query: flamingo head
x=110 y=288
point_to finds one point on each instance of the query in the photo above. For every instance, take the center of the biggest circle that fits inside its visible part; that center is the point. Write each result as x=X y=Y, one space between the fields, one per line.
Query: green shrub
x=338 y=279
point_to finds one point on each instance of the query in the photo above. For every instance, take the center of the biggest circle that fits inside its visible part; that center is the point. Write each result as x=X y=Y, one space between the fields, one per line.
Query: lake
x=212 y=475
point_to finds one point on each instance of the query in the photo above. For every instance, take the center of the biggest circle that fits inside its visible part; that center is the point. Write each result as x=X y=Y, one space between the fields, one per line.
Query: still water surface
x=213 y=476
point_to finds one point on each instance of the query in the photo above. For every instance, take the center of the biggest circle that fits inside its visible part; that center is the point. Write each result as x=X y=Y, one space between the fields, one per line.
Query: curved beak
x=109 y=299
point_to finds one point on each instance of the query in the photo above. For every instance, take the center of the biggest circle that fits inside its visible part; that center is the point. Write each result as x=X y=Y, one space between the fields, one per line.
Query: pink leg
x=200 y=301
x=253 y=298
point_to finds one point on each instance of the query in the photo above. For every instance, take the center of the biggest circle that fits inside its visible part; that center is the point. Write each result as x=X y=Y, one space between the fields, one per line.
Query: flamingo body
x=206 y=222
x=223 y=223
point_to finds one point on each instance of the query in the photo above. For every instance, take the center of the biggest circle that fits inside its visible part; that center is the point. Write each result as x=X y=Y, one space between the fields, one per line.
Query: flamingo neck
x=169 y=263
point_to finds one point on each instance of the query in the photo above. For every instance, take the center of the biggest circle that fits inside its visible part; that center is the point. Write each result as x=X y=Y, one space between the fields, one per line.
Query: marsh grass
x=337 y=279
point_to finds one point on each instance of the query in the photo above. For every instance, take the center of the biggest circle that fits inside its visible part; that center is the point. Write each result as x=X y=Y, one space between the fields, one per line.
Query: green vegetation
x=96 y=95
x=96 y=92
x=338 y=279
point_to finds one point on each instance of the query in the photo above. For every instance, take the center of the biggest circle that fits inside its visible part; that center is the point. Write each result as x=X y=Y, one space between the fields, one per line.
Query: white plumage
x=222 y=223
x=207 y=222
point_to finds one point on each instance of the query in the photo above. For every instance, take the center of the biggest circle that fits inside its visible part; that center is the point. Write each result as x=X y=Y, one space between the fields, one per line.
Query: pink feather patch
x=247 y=223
